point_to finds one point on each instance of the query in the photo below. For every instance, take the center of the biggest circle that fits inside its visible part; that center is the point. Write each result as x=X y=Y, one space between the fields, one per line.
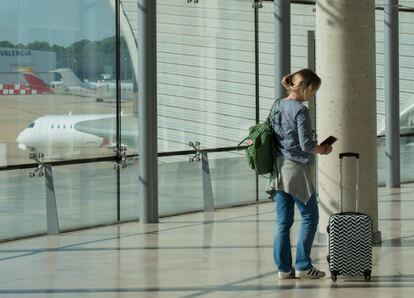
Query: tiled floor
x=224 y=254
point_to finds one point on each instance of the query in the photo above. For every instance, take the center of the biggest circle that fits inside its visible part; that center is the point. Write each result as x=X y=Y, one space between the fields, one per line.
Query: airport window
x=47 y=52
x=206 y=92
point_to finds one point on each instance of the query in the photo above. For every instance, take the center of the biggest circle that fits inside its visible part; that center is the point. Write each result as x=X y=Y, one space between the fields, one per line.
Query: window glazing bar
x=282 y=44
x=392 y=100
x=118 y=104
x=147 y=111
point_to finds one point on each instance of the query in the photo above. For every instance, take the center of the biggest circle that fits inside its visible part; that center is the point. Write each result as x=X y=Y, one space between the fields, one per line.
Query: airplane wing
x=106 y=128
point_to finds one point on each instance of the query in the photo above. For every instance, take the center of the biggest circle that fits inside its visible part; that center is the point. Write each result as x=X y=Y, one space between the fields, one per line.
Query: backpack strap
x=270 y=116
x=271 y=112
x=244 y=140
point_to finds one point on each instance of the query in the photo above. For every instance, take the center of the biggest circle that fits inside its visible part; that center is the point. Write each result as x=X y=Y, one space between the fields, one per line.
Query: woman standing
x=297 y=147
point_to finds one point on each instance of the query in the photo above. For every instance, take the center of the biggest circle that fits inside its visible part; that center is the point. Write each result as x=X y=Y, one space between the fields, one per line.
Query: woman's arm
x=305 y=135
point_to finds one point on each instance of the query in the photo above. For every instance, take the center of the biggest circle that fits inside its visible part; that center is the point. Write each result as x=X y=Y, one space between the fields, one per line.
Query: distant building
x=40 y=62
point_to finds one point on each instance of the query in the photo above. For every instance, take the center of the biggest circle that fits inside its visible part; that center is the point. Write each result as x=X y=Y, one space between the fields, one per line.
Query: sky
x=60 y=22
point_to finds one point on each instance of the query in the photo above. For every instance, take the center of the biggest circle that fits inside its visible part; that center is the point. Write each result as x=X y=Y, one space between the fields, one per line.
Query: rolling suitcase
x=350 y=237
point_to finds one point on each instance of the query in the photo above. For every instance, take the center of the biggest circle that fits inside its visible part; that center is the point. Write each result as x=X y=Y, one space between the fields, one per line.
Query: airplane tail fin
x=69 y=77
x=35 y=82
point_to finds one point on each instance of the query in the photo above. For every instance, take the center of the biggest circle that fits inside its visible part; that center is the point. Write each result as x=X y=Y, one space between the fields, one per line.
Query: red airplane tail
x=37 y=83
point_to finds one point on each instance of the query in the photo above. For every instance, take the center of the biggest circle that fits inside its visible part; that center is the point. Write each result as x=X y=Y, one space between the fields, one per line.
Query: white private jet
x=406 y=121
x=60 y=136
x=99 y=90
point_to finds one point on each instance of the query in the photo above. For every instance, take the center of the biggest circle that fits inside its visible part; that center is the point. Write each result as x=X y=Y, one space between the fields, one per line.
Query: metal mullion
x=256 y=61
x=118 y=103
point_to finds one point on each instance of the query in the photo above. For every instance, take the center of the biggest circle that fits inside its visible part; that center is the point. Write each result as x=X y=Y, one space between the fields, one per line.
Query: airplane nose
x=22 y=140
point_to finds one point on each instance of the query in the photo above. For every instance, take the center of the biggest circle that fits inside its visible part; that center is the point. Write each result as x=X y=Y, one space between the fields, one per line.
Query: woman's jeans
x=285 y=206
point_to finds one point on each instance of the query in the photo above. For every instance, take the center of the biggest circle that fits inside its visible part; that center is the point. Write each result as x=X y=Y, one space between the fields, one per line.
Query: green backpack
x=261 y=152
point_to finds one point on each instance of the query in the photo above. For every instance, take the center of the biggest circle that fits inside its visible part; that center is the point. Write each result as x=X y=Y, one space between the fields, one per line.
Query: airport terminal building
x=14 y=60
x=151 y=195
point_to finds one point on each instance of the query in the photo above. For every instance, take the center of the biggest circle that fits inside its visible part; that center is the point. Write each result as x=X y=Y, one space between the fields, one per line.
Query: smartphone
x=329 y=141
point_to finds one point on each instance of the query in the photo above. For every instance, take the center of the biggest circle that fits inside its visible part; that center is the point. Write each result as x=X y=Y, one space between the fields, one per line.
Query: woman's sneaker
x=287 y=275
x=310 y=273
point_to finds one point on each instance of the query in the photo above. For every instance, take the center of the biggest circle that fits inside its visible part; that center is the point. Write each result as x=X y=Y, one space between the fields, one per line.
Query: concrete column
x=346 y=108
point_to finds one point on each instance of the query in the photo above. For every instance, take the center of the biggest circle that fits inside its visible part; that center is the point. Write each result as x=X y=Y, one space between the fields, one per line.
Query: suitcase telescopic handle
x=356 y=156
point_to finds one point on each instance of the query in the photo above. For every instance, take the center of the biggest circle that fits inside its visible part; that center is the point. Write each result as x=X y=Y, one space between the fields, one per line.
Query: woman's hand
x=325 y=149
x=328 y=149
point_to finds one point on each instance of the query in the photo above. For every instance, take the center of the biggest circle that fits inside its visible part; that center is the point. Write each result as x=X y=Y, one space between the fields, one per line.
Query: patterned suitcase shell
x=350 y=237
x=350 y=245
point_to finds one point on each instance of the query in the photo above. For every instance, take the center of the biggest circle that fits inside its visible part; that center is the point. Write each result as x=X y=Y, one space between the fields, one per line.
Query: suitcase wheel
x=334 y=275
x=328 y=258
x=367 y=275
x=327 y=229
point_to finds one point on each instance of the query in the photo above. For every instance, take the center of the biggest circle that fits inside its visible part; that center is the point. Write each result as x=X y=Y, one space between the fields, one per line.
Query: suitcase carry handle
x=348 y=154
x=356 y=156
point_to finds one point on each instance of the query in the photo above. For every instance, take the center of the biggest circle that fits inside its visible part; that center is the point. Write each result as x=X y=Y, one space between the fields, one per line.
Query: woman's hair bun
x=287 y=81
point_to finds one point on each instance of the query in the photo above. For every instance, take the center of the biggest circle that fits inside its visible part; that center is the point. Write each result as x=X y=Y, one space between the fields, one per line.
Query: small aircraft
x=406 y=122
x=71 y=84
x=61 y=136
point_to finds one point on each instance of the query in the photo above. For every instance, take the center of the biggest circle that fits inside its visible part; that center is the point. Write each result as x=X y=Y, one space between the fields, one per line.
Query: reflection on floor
x=223 y=254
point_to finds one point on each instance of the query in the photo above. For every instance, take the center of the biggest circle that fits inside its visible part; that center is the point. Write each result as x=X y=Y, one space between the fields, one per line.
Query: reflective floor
x=224 y=254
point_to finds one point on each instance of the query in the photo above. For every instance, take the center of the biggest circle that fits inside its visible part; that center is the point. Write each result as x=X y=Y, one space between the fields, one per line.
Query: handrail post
x=51 y=207
x=207 y=186
x=208 y=197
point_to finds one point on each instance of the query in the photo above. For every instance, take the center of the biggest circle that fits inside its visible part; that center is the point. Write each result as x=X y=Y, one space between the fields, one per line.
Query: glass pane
x=406 y=93
x=23 y=204
x=232 y=180
x=206 y=82
x=85 y=194
x=266 y=58
x=56 y=58
x=401 y=3
x=406 y=71
x=180 y=185
x=129 y=187
x=379 y=49
x=407 y=162
x=381 y=160
x=406 y=154
x=302 y=20
x=130 y=191
x=129 y=91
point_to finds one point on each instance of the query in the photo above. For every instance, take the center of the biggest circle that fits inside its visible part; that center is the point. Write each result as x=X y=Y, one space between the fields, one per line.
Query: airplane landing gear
x=38 y=158
x=121 y=157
